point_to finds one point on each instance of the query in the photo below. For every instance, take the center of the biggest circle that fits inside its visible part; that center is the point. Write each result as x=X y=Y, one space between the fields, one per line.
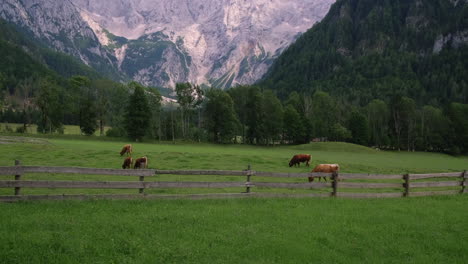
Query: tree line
x=243 y=114
x=252 y=115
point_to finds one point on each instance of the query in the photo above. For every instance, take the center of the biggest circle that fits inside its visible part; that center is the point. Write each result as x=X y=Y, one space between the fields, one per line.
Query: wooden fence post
x=406 y=185
x=463 y=181
x=249 y=173
x=142 y=179
x=334 y=183
x=17 y=178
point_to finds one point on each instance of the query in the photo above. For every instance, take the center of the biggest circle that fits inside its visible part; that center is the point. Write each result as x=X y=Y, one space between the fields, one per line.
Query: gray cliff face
x=217 y=42
x=454 y=40
x=160 y=43
x=59 y=25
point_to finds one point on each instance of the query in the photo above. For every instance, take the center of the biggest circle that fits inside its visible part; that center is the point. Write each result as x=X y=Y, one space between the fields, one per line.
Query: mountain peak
x=159 y=43
x=218 y=42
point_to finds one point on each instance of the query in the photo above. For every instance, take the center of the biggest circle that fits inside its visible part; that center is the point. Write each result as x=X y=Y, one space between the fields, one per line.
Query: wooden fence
x=339 y=185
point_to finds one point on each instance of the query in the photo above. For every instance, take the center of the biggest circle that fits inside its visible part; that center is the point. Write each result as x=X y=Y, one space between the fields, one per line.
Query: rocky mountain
x=23 y=57
x=59 y=25
x=159 y=43
x=366 y=49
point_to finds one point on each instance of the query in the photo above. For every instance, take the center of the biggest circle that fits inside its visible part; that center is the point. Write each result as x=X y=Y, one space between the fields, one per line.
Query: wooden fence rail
x=340 y=184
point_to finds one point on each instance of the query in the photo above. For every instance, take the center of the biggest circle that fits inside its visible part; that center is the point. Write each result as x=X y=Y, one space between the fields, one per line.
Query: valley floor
x=252 y=230
x=412 y=230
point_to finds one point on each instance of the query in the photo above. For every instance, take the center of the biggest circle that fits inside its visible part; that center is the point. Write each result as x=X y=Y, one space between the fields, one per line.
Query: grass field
x=89 y=152
x=410 y=230
x=104 y=154
x=413 y=230
x=32 y=129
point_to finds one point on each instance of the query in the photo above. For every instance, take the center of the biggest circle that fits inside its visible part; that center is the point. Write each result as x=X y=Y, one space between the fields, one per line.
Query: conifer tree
x=88 y=116
x=293 y=128
x=50 y=107
x=138 y=113
x=359 y=128
x=273 y=113
x=221 y=119
x=87 y=105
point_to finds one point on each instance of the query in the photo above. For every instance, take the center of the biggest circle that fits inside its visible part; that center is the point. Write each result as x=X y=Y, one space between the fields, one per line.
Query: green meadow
x=250 y=230
x=92 y=152
x=32 y=129
x=413 y=230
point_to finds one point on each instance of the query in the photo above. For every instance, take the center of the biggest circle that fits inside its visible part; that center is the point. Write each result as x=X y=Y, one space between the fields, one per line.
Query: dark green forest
x=19 y=47
x=400 y=65
x=387 y=74
x=375 y=49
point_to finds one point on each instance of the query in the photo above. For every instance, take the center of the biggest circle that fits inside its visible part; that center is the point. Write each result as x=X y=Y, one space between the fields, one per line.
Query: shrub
x=20 y=129
x=116 y=132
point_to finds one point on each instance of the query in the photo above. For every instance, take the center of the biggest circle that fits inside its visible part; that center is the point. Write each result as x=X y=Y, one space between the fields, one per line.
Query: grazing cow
x=297 y=159
x=141 y=163
x=325 y=168
x=126 y=149
x=128 y=162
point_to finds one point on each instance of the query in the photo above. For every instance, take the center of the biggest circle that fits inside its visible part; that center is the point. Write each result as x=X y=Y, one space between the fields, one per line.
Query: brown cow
x=141 y=163
x=325 y=168
x=128 y=162
x=126 y=149
x=297 y=159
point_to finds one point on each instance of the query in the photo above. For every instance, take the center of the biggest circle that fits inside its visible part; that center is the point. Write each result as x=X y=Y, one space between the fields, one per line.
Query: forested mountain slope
x=367 y=49
x=58 y=26
x=23 y=58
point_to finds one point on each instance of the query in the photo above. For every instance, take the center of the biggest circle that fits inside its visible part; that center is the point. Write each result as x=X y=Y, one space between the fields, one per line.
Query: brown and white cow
x=141 y=163
x=128 y=162
x=325 y=168
x=126 y=149
x=297 y=159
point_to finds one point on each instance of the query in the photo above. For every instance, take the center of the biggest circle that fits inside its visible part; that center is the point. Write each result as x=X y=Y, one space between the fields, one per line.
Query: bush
x=20 y=129
x=340 y=133
x=116 y=132
x=8 y=129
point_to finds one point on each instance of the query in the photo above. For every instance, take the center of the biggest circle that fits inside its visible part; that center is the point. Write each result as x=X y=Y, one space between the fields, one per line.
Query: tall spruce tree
x=138 y=113
x=378 y=117
x=50 y=107
x=293 y=128
x=189 y=97
x=154 y=100
x=255 y=116
x=240 y=96
x=87 y=105
x=221 y=120
x=88 y=116
x=323 y=113
x=359 y=128
x=273 y=123
x=459 y=116
x=115 y=115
